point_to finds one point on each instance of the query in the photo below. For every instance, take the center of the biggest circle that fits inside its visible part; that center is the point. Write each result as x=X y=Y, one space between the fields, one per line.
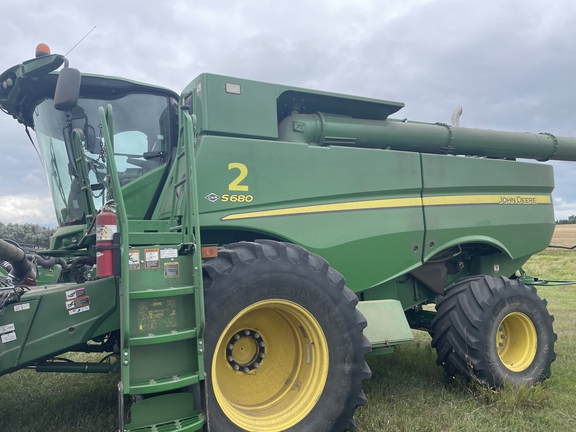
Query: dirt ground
x=564 y=235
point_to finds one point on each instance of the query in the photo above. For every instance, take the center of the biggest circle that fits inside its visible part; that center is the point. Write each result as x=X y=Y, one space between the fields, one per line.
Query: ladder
x=161 y=302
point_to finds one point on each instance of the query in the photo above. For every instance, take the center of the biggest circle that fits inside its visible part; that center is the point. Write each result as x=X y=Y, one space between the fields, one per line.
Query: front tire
x=494 y=329
x=284 y=343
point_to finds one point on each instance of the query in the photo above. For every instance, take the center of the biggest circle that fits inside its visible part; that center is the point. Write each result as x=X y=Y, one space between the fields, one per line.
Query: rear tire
x=284 y=343
x=494 y=330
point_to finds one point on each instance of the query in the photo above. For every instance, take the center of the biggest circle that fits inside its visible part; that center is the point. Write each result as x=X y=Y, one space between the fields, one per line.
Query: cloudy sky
x=510 y=64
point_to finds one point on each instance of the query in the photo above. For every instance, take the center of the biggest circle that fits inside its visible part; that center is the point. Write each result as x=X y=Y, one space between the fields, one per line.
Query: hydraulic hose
x=48 y=262
x=21 y=267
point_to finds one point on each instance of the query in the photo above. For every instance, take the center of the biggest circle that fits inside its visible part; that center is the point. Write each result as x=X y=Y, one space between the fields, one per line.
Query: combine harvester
x=195 y=231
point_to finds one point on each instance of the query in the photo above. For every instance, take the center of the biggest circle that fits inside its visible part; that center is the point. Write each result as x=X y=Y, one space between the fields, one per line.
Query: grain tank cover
x=238 y=107
x=311 y=101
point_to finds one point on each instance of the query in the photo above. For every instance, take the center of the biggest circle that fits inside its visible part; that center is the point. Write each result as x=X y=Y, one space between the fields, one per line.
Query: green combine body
x=220 y=311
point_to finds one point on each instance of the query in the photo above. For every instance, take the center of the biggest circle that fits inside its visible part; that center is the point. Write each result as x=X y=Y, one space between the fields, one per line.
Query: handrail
x=106 y=119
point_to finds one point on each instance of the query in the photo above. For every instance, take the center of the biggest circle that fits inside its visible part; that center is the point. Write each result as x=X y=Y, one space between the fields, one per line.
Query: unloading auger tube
x=438 y=138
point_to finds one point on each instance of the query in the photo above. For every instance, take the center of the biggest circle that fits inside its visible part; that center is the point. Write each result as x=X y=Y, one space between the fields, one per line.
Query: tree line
x=570 y=220
x=27 y=235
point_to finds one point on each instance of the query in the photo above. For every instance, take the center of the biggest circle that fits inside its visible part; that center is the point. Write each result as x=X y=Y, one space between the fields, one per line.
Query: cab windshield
x=141 y=144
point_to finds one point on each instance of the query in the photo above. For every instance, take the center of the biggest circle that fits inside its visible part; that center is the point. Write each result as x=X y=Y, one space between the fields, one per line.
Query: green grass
x=56 y=402
x=408 y=392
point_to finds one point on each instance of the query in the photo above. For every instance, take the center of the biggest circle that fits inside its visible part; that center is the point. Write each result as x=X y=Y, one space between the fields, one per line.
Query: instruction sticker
x=7 y=328
x=75 y=293
x=78 y=303
x=169 y=253
x=158 y=315
x=78 y=310
x=171 y=269
x=8 y=333
x=105 y=232
x=134 y=259
x=21 y=307
x=8 y=337
x=152 y=258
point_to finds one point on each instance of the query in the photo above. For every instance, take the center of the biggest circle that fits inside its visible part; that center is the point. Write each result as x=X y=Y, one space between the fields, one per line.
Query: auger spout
x=437 y=138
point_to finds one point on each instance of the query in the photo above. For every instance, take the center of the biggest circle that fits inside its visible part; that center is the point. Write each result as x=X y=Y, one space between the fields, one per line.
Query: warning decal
x=77 y=303
x=152 y=258
x=134 y=259
x=75 y=293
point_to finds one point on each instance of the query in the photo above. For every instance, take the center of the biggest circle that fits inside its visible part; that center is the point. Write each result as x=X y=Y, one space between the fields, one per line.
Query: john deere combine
x=195 y=232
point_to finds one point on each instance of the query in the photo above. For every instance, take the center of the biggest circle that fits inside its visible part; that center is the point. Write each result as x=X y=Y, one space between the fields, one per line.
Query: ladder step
x=163 y=292
x=163 y=338
x=163 y=384
x=171 y=412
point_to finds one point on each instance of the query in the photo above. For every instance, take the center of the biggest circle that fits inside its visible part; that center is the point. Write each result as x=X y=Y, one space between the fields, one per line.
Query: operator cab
x=57 y=105
x=144 y=130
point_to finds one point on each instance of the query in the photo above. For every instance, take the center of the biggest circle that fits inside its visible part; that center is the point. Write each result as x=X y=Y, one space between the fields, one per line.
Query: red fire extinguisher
x=106 y=227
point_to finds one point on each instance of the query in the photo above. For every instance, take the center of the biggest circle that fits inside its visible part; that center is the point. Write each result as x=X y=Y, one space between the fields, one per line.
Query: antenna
x=78 y=43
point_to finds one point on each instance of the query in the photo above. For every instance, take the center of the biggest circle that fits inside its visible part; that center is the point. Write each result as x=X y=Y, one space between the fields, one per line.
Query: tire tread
x=233 y=257
x=460 y=330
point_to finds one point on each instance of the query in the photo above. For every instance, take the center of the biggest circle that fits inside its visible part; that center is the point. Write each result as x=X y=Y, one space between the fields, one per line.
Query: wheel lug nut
x=262 y=355
x=256 y=336
x=256 y=365
x=503 y=336
x=246 y=370
x=231 y=347
x=247 y=332
x=236 y=336
x=501 y=344
x=236 y=367
x=230 y=358
x=262 y=344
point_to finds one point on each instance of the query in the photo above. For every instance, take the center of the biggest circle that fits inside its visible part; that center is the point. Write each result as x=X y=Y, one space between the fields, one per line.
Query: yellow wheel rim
x=516 y=341
x=270 y=366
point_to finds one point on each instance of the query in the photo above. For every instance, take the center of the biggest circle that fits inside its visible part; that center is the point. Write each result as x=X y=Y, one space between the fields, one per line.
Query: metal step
x=153 y=339
x=165 y=413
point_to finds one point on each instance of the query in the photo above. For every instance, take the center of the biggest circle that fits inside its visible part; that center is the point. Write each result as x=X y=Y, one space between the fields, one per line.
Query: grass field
x=408 y=392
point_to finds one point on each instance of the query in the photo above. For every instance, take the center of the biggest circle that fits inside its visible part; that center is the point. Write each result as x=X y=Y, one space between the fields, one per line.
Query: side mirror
x=67 y=89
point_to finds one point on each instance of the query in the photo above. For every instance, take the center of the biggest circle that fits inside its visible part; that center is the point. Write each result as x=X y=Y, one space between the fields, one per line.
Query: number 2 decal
x=235 y=184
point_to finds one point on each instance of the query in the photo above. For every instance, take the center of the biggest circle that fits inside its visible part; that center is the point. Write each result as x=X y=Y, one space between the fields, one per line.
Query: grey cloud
x=509 y=64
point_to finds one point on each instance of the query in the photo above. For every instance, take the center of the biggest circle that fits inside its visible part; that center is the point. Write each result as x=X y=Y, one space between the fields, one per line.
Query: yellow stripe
x=336 y=207
x=397 y=202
